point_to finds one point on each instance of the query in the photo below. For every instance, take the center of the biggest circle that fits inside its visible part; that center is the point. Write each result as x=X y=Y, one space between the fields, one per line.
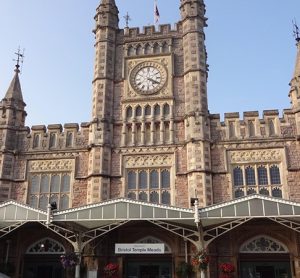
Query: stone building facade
x=152 y=139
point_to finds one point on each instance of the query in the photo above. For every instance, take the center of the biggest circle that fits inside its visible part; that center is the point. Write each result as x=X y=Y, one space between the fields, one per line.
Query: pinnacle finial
x=296 y=31
x=19 y=60
x=127 y=19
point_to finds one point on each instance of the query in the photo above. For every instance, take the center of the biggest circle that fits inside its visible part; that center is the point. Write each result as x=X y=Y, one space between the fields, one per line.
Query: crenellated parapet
x=252 y=126
x=162 y=30
x=69 y=137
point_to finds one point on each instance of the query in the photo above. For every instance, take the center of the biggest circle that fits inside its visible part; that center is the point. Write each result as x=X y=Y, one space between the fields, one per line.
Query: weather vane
x=127 y=19
x=296 y=31
x=20 y=58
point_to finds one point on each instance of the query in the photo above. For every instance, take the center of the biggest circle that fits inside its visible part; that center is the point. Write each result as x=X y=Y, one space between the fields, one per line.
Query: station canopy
x=13 y=214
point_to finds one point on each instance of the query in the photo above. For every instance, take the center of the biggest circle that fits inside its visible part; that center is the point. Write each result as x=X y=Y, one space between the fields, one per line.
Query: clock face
x=148 y=77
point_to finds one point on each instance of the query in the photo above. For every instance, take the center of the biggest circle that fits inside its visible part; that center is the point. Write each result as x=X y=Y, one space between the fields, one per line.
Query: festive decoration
x=69 y=260
x=201 y=259
x=111 y=270
x=227 y=269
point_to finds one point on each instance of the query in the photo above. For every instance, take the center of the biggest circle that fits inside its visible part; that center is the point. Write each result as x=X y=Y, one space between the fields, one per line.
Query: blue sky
x=251 y=53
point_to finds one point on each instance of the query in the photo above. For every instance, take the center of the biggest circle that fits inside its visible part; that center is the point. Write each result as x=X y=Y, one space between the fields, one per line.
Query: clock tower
x=150 y=137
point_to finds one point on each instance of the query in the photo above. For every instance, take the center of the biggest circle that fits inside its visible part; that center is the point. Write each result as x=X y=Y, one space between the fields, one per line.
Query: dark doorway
x=40 y=267
x=149 y=271
x=266 y=271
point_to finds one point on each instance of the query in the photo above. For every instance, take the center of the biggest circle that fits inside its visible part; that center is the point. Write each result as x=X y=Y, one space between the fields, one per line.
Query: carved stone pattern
x=263 y=245
x=148 y=161
x=287 y=131
x=51 y=165
x=258 y=155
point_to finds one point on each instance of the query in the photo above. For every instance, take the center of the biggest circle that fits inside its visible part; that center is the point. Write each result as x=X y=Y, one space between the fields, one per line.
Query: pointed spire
x=297 y=66
x=14 y=91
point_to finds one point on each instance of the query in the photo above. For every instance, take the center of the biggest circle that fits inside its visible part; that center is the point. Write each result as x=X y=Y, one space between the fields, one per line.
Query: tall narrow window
x=52 y=141
x=36 y=141
x=138 y=134
x=275 y=175
x=69 y=142
x=143 y=183
x=156 y=110
x=148 y=133
x=45 y=184
x=148 y=49
x=167 y=132
x=271 y=128
x=166 y=198
x=139 y=50
x=238 y=177
x=250 y=176
x=231 y=129
x=262 y=175
x=129 y=135
x=131 y=180
x=165 y=179
x=154 y=183
x=129 y=112
x=157 y=133
x=166 y=109
x=148 y=110
x=138 y=111
x=251 y=128
x=65 y=183
x=54 y=185
x=165 y=48
x=156 y=48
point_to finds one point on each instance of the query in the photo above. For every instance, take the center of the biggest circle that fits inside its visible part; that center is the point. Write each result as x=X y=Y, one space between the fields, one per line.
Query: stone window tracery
x=257 y=179
x=154 y=185
x=47 y=188
x=263 y=244
x=46 y=246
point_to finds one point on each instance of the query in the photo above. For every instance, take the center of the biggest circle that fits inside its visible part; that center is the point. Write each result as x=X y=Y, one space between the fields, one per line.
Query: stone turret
x=196 y=108
x=106 y=30
x=12 y=121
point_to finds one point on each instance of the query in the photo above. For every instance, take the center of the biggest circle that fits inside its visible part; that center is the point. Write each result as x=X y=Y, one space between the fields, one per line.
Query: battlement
x=162 y=30
x=56 y=136
x=271 y=125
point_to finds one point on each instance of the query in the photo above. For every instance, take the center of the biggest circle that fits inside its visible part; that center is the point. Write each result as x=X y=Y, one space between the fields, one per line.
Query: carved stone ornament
x=148 y=161
x=263 y=244
x=256 y=156
x=51 y=165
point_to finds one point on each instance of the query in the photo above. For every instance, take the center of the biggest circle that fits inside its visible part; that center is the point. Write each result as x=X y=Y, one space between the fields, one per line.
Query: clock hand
x=154 y=81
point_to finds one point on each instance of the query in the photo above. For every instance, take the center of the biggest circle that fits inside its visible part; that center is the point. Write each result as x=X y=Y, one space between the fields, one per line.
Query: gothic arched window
x=166 y=109
x=156 y=110
x=129 y=112
x=154 y=182
x=54 y=184
x=262 y=175
x=36 y=140
x=143 y=180
x=275 y=175
x=250 y=176
x=166 y=198
x=138 y=111
x=148 y=110
x=131 y=180
x=165 y=179
x=238 y=177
